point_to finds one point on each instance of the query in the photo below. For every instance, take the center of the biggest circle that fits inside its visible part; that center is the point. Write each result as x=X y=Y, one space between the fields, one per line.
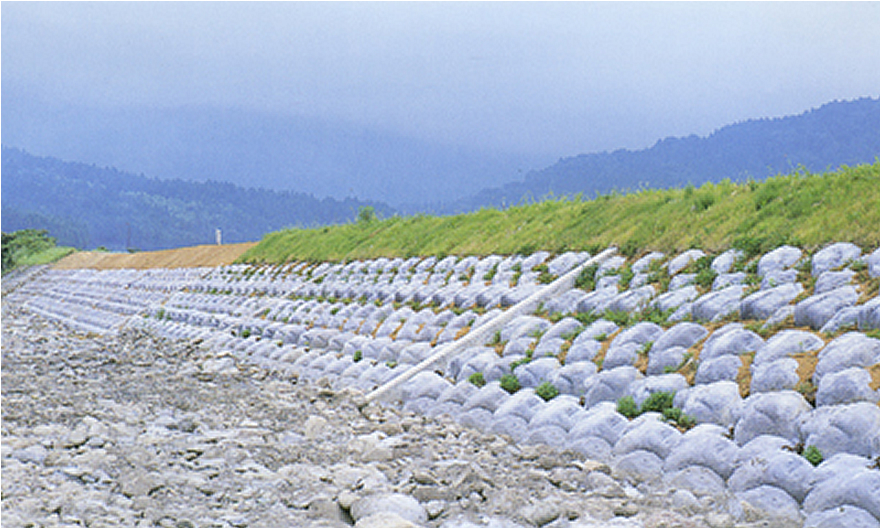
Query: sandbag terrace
x=774 y=354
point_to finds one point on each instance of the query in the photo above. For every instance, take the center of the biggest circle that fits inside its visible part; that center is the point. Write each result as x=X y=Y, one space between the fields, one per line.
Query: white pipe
x=481 y=334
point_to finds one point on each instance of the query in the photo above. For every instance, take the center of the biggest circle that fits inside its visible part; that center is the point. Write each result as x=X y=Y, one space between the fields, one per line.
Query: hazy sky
x=552 y=79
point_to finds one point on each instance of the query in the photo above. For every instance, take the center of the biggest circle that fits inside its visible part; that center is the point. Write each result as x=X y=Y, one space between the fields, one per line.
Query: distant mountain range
x=250 y=148
x=838 y=133
x=87 y=206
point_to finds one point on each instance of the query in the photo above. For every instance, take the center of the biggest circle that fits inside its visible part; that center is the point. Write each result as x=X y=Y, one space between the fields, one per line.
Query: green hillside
x=801 y=208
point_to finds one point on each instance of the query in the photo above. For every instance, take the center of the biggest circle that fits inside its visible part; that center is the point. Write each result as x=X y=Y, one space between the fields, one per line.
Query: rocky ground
x=130 y=430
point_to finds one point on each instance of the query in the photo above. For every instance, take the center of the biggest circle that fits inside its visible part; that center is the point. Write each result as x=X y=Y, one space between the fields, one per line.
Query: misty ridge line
x=85 y=206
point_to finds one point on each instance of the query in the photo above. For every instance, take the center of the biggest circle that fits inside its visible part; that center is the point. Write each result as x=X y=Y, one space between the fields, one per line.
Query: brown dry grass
x=189 y=257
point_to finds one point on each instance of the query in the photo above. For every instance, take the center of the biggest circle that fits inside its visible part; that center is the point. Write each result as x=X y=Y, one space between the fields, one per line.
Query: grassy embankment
x=803 y=209
x=31 y=247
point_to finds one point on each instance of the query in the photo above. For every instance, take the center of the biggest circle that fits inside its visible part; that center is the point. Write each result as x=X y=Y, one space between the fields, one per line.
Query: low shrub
x=547 y=391
x=477 y=379
x=813 y=455
x=586 y=279
x=658 y=402
x=627 y=407
x=510 y=383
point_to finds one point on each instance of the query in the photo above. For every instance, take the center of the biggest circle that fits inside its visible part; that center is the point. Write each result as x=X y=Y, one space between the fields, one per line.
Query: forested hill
x=86 y=206
x=838 y=133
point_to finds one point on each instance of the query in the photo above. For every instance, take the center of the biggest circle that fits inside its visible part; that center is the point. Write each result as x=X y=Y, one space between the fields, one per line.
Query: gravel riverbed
x=130 y=430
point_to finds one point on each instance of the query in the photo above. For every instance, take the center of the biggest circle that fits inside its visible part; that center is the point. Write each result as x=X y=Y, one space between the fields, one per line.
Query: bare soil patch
x=188 y=257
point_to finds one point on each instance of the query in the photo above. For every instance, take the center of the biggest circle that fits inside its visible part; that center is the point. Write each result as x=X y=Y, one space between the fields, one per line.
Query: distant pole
x=217 y=237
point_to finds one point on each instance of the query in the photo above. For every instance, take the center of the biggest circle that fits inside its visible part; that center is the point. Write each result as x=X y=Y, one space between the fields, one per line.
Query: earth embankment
x=188 y=257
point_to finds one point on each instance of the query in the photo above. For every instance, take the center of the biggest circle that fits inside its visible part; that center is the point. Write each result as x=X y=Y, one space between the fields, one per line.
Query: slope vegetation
x=801 y=208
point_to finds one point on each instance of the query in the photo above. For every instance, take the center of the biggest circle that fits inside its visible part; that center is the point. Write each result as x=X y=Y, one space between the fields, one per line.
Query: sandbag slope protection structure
x=745 y=381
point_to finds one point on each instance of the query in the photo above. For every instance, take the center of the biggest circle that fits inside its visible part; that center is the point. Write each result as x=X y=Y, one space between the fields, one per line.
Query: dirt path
x=189 y=257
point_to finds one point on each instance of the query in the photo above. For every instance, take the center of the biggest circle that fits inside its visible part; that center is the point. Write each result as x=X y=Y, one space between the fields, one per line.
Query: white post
x=217 y=236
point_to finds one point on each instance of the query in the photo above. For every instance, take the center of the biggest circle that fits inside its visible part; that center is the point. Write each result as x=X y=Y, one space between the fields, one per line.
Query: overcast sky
x=551 y=79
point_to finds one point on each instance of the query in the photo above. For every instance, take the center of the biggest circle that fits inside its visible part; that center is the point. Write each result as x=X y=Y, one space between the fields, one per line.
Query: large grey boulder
x=846 y=515
x=716 y=403
x=637 y=467
x=514 y=296
x=843 y=319
x=639 y=334
x=853 y=429
x=474 y=359
x=425 y=384
x=601 y=421
x=457 y=393
x=648 y=433
x=549 y=347
x=642 y=389
x=609 y=385
x=777 y=375
x=598 y=328
x=775 y=278
x=869 y=315
x=861 y=489
x=731 y=339
x=816 y=310
x=773 y=504
x=565 y=303
x=831 y=280
x=706 y=446
x=782 y=469
x=728 y=279
x=632 y=300
x=524 y=404
x=681 y=335
x=717 y=304
x=776 y=413
x=570 y=378
x=591 y=301
x=562 y=412
x=535 y=372
x=852 y=349
x=584 y=350
x=621 y=355
x=761 y=447
x=403 y=506
x=697 y=480
x=610 y=264
x=524 y=326
x=834 y=256
x=667 y=358
x=846 y=386
x=762 y=304
x=518 y=346
x=681 y=280
x=566 y=262
x=681 y=261
x=787 y=343
x=873 y=261
x=642 y=265
x=562 y=328
x=675 y=298
x=718 y=369
x=779 y=259
x=725 y=261
x=489 y=397
x=608 y=282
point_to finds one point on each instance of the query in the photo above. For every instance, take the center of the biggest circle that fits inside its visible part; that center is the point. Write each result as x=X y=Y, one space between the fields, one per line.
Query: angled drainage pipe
x=483 y=333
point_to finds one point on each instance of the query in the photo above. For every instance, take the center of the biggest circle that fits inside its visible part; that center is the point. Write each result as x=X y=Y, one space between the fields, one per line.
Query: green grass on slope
x=803 y=209
x=47 y=256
